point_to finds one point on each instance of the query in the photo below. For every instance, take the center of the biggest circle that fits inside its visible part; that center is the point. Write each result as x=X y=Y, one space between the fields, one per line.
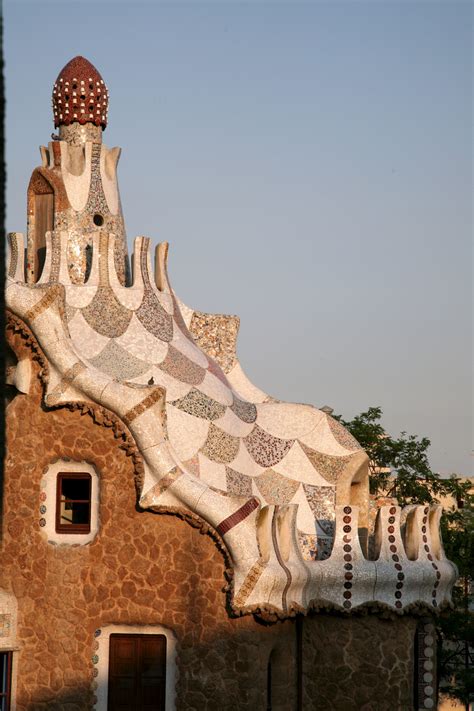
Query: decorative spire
x=80 y=95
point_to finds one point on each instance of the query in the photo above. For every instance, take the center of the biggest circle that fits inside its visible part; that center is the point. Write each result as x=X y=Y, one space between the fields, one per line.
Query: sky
x=310 y=164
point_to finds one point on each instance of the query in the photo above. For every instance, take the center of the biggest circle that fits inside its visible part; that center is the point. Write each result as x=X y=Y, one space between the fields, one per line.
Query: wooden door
x=137 y=672
x=44 y=222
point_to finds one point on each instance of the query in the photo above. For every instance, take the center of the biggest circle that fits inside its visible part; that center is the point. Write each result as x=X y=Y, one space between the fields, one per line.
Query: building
x=173 y=537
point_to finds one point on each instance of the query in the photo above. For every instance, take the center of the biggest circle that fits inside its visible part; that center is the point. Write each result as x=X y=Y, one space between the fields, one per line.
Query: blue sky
x=310 y=165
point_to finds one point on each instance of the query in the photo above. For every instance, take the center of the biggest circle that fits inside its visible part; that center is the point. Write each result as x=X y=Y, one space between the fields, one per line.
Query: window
x=137 y=672
x=69 y=503
x=5 y=680
x=73 y=503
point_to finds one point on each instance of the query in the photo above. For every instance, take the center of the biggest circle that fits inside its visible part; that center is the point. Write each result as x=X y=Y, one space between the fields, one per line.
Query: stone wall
x=149 y=569
x=358 y=663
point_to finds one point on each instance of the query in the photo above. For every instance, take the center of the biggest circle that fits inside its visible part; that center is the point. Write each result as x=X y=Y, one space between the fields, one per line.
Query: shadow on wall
x=219 y=675
x=75 y=698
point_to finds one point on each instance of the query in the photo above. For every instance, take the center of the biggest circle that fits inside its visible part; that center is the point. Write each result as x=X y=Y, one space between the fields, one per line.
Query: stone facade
x=359 y=663
x=148 y=569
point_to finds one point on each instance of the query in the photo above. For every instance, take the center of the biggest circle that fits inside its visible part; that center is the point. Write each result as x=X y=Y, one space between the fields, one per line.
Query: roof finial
x=80 y=95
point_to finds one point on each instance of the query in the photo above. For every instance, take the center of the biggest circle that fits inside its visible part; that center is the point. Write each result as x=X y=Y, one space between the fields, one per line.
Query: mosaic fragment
x=106 y=315
x=118 y=363
x=341 y=435
x=216 y=335
x=178 y=366
x=197 y=404
x=154 y=318
x=322 y=500
x=275 y=488
x=237 y=483
x=296 y=465
x=308 y=545
x=140 y=342
x=220 y=446
x=249 y=583
x=265 y=449
x=328 y=465
x=246 y=411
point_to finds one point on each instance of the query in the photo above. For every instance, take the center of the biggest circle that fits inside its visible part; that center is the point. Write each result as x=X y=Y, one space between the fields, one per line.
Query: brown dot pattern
x=219 y=446
x=182 y=368
x=200 y=405
x=328 y=466
x=266 y=449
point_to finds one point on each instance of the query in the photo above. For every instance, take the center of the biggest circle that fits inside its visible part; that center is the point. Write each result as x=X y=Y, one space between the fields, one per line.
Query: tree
x=399 y=467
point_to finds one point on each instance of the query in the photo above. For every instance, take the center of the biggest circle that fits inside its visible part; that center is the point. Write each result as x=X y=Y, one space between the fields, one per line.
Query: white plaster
x=305 y=517
x=187 y=433
x=212 y=472
x=243 y=386
x=22 y=376
x=88 y=342
x=217 y=390
x=48 y=486
x=244 y=464
x=80 y=296
x=109 y=158
x=233 y=425
x=296 y=465
x=77 y=186
x=141 y=343
x=103 y=663
x=188 y=348
x=322 y=440
x=286 y=420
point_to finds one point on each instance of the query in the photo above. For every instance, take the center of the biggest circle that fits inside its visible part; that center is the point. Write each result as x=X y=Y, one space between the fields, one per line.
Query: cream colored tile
x=296 y=465
x=213 y=387
x=212 y=473
x=187 y=433
x=87 y=342
x=233 y=425
x=142 y=344
x=286 y=420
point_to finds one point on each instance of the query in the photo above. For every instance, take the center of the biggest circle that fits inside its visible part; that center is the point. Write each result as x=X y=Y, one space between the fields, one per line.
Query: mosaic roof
x=273 y=479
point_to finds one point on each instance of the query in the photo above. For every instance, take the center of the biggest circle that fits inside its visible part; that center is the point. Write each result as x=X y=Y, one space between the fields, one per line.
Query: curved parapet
x=283 y=486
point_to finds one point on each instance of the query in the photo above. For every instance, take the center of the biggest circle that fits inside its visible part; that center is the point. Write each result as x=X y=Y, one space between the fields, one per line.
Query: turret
x=76 y=187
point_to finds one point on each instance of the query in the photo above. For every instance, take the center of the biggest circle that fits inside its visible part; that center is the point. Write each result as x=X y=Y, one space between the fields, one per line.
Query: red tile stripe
x=238 y=516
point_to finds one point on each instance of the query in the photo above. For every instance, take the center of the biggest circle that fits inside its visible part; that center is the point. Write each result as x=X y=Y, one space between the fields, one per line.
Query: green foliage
x=399 y=467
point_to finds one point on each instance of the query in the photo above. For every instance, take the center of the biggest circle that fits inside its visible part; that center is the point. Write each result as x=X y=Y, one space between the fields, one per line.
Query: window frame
x=72 y=528
x=7 y=694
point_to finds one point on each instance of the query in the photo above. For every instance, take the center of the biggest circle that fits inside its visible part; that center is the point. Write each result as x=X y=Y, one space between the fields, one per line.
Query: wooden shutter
x=44 y=221
x=137 y=672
